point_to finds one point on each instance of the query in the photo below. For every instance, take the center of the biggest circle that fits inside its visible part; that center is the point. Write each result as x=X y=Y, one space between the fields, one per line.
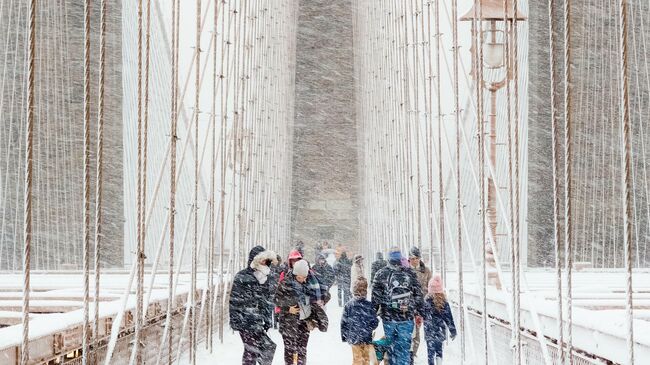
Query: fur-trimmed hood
x=263 y=256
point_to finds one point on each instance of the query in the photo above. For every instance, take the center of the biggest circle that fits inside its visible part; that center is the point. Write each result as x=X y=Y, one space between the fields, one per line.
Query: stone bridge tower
x=325 y=179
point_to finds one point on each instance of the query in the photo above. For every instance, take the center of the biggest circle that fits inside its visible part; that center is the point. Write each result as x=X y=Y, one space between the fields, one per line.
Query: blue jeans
x=399 y=336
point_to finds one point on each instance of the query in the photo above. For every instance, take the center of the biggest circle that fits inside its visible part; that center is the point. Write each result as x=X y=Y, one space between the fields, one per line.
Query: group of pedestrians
x=405 y=295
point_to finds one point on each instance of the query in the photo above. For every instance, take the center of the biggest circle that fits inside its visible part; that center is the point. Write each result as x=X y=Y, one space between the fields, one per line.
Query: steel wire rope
x=626 y=147
x=85 y=336
x=555 y=145
x=459 y=234
x=99 y=177
x=568 y=174
x=29 y=163
x=478 y=69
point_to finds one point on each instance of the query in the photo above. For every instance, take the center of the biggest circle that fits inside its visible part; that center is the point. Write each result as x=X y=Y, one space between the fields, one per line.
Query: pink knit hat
x=435 y=285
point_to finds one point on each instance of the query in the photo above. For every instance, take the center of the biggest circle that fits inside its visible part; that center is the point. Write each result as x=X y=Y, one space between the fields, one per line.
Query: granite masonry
x=325 y=194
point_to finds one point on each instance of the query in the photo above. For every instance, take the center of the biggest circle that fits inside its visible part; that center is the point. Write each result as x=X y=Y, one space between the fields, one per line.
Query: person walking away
x=293 y=299
x=343 y=268
x=356 y=271
x=424 y=275
x=250 y=307
x=274 y=280
x=397 y=297
x=379 y=264
x=324 y=273
x=358 y=322
x=437 y=320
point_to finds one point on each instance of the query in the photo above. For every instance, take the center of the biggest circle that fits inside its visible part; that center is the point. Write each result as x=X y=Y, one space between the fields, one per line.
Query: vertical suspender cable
x=516 y=270
x=140 y=208
x=86 y=186
x=172 y=175
x=29 y=157
x=441 y=190
x=212 y=232
x=461 y=315
x=222 y=185
x=197 y=82
x=568 y=199
x=556 y=175
x=626 y=147
x=100 y=161
x=426 y=39
x=145 y=138
x=478 y=39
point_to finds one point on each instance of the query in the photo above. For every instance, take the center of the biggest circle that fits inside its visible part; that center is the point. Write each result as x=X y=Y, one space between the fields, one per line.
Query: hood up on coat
x=257 y=257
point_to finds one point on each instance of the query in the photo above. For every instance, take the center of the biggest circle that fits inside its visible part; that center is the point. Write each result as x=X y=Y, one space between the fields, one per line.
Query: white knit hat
x=301 y=268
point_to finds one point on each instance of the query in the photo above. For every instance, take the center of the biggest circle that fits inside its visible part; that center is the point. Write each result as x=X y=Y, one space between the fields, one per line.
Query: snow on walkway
x=323 y=349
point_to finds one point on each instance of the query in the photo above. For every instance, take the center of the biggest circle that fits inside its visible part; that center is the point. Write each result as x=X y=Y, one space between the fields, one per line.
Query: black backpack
x=400 y=295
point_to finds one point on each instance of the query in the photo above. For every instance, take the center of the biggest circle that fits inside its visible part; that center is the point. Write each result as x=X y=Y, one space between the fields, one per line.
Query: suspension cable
x=459 y=232
x=568 y=174
x=140 y=250
x=441 y=190
x=555 y=142
x=478 y=47
x=29 y=166
x=100 y=165
x=85 y=339
x=172 y=174
x=626 y=147
x=197 y=82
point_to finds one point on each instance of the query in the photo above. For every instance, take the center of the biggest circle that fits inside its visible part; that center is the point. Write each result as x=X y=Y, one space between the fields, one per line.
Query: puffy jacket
x=381 y=293
x=358 y=322
x=343 y=268
x=250 y=301
x=437 y=322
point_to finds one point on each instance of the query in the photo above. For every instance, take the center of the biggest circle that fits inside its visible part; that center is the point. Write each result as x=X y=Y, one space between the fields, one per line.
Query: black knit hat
x=415 y=252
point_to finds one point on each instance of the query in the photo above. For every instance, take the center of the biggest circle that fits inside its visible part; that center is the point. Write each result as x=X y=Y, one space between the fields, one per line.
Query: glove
x=453 y=336
x=418 y=320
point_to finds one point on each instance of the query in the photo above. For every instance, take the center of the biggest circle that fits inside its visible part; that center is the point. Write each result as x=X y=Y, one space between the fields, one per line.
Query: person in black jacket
x=397 y=297
x=293 y=300
x=343 y=270
x=324 y=272
x=379 y=264
x=325 y=275
x=250 y=307
x=274 y=280
x=358 y=322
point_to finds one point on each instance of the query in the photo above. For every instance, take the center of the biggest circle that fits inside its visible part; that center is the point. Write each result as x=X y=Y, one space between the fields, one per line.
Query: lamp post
x=495 y=23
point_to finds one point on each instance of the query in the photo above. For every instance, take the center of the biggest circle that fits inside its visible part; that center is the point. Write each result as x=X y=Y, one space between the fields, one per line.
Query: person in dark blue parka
x=358 y=322
x=250 y=307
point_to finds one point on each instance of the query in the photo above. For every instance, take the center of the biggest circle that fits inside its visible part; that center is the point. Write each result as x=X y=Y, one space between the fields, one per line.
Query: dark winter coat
x=376 y=266
x=313 y=284
x=381 y=293
x=437 y=322
x=358 y=322
x=290 y=292
x=424 y=275
x=274 y=278
x=343 y=270
x=250 y=302
x=325 y=274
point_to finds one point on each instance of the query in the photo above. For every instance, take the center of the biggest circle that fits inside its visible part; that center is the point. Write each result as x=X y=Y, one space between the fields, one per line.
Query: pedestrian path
x=323 y=349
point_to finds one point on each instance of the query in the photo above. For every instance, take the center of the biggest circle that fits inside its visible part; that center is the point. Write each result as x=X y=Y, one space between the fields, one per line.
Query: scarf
x=262 y=274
